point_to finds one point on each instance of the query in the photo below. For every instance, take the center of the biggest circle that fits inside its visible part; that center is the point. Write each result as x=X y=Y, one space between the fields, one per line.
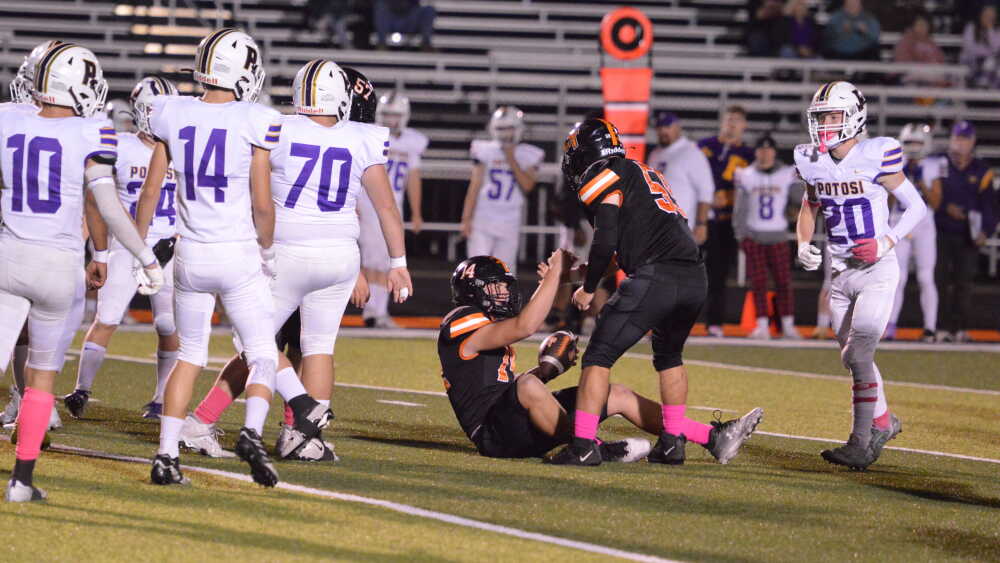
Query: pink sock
x=289 y=416
x=213 y=405
x=883 y=422
x=674 y=422
x=585 y=425
x=32 y=422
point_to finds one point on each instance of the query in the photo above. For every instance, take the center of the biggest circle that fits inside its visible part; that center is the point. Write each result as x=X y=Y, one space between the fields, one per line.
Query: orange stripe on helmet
x=611 y=130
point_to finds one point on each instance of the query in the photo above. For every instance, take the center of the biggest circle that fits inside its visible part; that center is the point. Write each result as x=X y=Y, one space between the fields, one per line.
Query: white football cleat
x=625 y=451
x=9 y=416
x=202 y=438
x=55 y=422
x=19 y=492
x=760 y=333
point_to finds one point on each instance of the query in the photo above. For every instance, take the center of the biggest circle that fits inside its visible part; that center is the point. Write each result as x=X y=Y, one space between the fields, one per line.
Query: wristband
x=100 y=256
x=399 y=262
x=146 y=257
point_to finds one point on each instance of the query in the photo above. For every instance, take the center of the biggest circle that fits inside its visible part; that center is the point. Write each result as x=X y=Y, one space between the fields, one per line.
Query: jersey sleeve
x=459 y=325
x=599 y=185
x=528 y=156
x=101 y=140
x=420 y=142
x=478 y=150
x=890 y=156
x=375 y=148
x=158 y=122
x=264 y=126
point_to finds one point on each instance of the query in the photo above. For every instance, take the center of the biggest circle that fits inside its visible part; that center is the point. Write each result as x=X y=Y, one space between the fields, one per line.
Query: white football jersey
x=211 y=147
x=405 y=152
x=130 y=172
x=42 y=166
x=854 y=206
x=316 y=175
x=766 y=196
x=922 y=176
x=500 y=198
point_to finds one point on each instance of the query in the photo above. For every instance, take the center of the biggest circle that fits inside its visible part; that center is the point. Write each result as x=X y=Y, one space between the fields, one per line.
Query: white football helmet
x=917 y=140
x=142 y=98
x=230 y=59
x=321 y=87
x=841 y=97
x=507 y=124
x=69 y=75
x=393 y=111
x=20 y=86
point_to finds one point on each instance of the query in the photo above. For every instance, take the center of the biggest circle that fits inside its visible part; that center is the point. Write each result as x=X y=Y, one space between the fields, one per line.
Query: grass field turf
x=776 y=501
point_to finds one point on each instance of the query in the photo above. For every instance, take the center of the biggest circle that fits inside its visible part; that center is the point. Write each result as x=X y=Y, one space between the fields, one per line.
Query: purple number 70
x=312 y=154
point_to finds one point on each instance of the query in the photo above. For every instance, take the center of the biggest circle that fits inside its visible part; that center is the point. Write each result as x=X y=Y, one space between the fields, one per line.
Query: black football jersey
x=651 y=227
x=474 y=382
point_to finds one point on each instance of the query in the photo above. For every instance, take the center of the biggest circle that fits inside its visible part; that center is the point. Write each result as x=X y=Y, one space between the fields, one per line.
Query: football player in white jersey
x=220 y=144
x=504 y=171
x=20 y=93
x=921 y=243
x=759 y=222
x=849 y=180
x=49 y=155
x=406 y=146
x=114 y=297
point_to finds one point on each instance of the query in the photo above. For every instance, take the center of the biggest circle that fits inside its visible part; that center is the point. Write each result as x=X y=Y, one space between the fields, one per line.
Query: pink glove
x=866 y=250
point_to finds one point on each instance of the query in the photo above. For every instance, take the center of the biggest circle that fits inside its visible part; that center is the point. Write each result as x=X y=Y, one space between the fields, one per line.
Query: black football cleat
x=76 y=402
x=167 y=471
x=578 y=452
x=251 y=449
x=851 y=455
x=669 y=450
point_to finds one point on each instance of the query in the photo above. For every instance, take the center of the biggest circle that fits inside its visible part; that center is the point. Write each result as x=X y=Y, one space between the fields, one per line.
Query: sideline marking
x=400 y=403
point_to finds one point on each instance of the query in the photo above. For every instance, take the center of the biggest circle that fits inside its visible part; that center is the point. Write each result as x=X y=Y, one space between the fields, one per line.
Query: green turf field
x=777 y=501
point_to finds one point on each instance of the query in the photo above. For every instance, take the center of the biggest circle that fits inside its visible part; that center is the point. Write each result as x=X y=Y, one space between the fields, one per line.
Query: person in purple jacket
x=964 y=218
x=726 y=153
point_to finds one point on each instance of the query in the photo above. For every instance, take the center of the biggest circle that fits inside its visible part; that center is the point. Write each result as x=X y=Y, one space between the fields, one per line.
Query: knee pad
x=164 y=324
x=315 y=344
x=859 y=353
x=925 y=278
x=193 y=351
x=263 y=371
x=44 y=360
x=598 y=355
x=667 y=361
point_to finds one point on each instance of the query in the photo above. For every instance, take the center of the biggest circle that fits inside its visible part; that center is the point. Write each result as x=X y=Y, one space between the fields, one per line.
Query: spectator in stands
x=980 y=46
x=799 y=33
x=726 y=153
x=404 y=16
x=917 y=46
x=760 y=222
x=330 y=16
x=964 y=218
x=686 y=170
x=765 y=29
x=852 y=33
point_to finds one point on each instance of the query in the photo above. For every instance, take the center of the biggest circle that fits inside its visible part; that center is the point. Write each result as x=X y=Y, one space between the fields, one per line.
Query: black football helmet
x=363 y=97
x=593 y=139
x=473 y=283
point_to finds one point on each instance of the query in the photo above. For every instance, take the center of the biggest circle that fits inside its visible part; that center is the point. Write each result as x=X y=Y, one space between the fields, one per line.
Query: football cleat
x=669 y=450
x=167 y=471
x=760 y=333
x=76 y=402
x=578 y=452
x=305 y=429
x=852 y=455
x=725 y=438
x=152 y=410
x=928 y=336
x=625 y=451
x=202 y=438
x=55 y=423
x=251 y=449
x=19 y=492
x=315 y=450
x=881 y=437
x=9 y=415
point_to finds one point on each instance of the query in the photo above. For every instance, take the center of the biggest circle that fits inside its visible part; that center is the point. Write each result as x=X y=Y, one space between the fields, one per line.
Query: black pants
x=956 y=267
x=721 y=248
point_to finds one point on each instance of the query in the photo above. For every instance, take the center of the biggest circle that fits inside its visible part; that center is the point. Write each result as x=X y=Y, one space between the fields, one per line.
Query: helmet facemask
x=827 y=134
x=20 y=86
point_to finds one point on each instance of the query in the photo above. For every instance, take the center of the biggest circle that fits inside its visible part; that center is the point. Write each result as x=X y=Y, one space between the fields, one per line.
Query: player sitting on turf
x=515 y=415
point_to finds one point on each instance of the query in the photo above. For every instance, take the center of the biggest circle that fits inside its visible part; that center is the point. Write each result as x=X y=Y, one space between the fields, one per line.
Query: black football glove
x=164 y=250
x=556 y=354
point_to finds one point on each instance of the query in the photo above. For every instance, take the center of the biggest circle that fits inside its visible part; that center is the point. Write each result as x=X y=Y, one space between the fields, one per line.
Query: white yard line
x=395 y=507
x=400 y=403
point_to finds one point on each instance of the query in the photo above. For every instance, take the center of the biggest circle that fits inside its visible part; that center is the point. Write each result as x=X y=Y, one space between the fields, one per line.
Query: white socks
x=880 y=403
x=170 y=433
x=91 y=359
x=257 y=409
x=288 y=384
x=762 y=323
x=164 y=364
x=787 y=324
x=822 y=320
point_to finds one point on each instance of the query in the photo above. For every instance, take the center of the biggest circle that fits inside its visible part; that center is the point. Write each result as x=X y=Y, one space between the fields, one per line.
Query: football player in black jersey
x=638 y=224
x=504 y=413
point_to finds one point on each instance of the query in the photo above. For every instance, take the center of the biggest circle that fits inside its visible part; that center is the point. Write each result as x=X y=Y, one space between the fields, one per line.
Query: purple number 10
x=312 y=154
x=215 y=146
x=35 y=148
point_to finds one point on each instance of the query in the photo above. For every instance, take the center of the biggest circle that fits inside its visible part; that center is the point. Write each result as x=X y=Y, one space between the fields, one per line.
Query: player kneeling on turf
x=515 y=415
